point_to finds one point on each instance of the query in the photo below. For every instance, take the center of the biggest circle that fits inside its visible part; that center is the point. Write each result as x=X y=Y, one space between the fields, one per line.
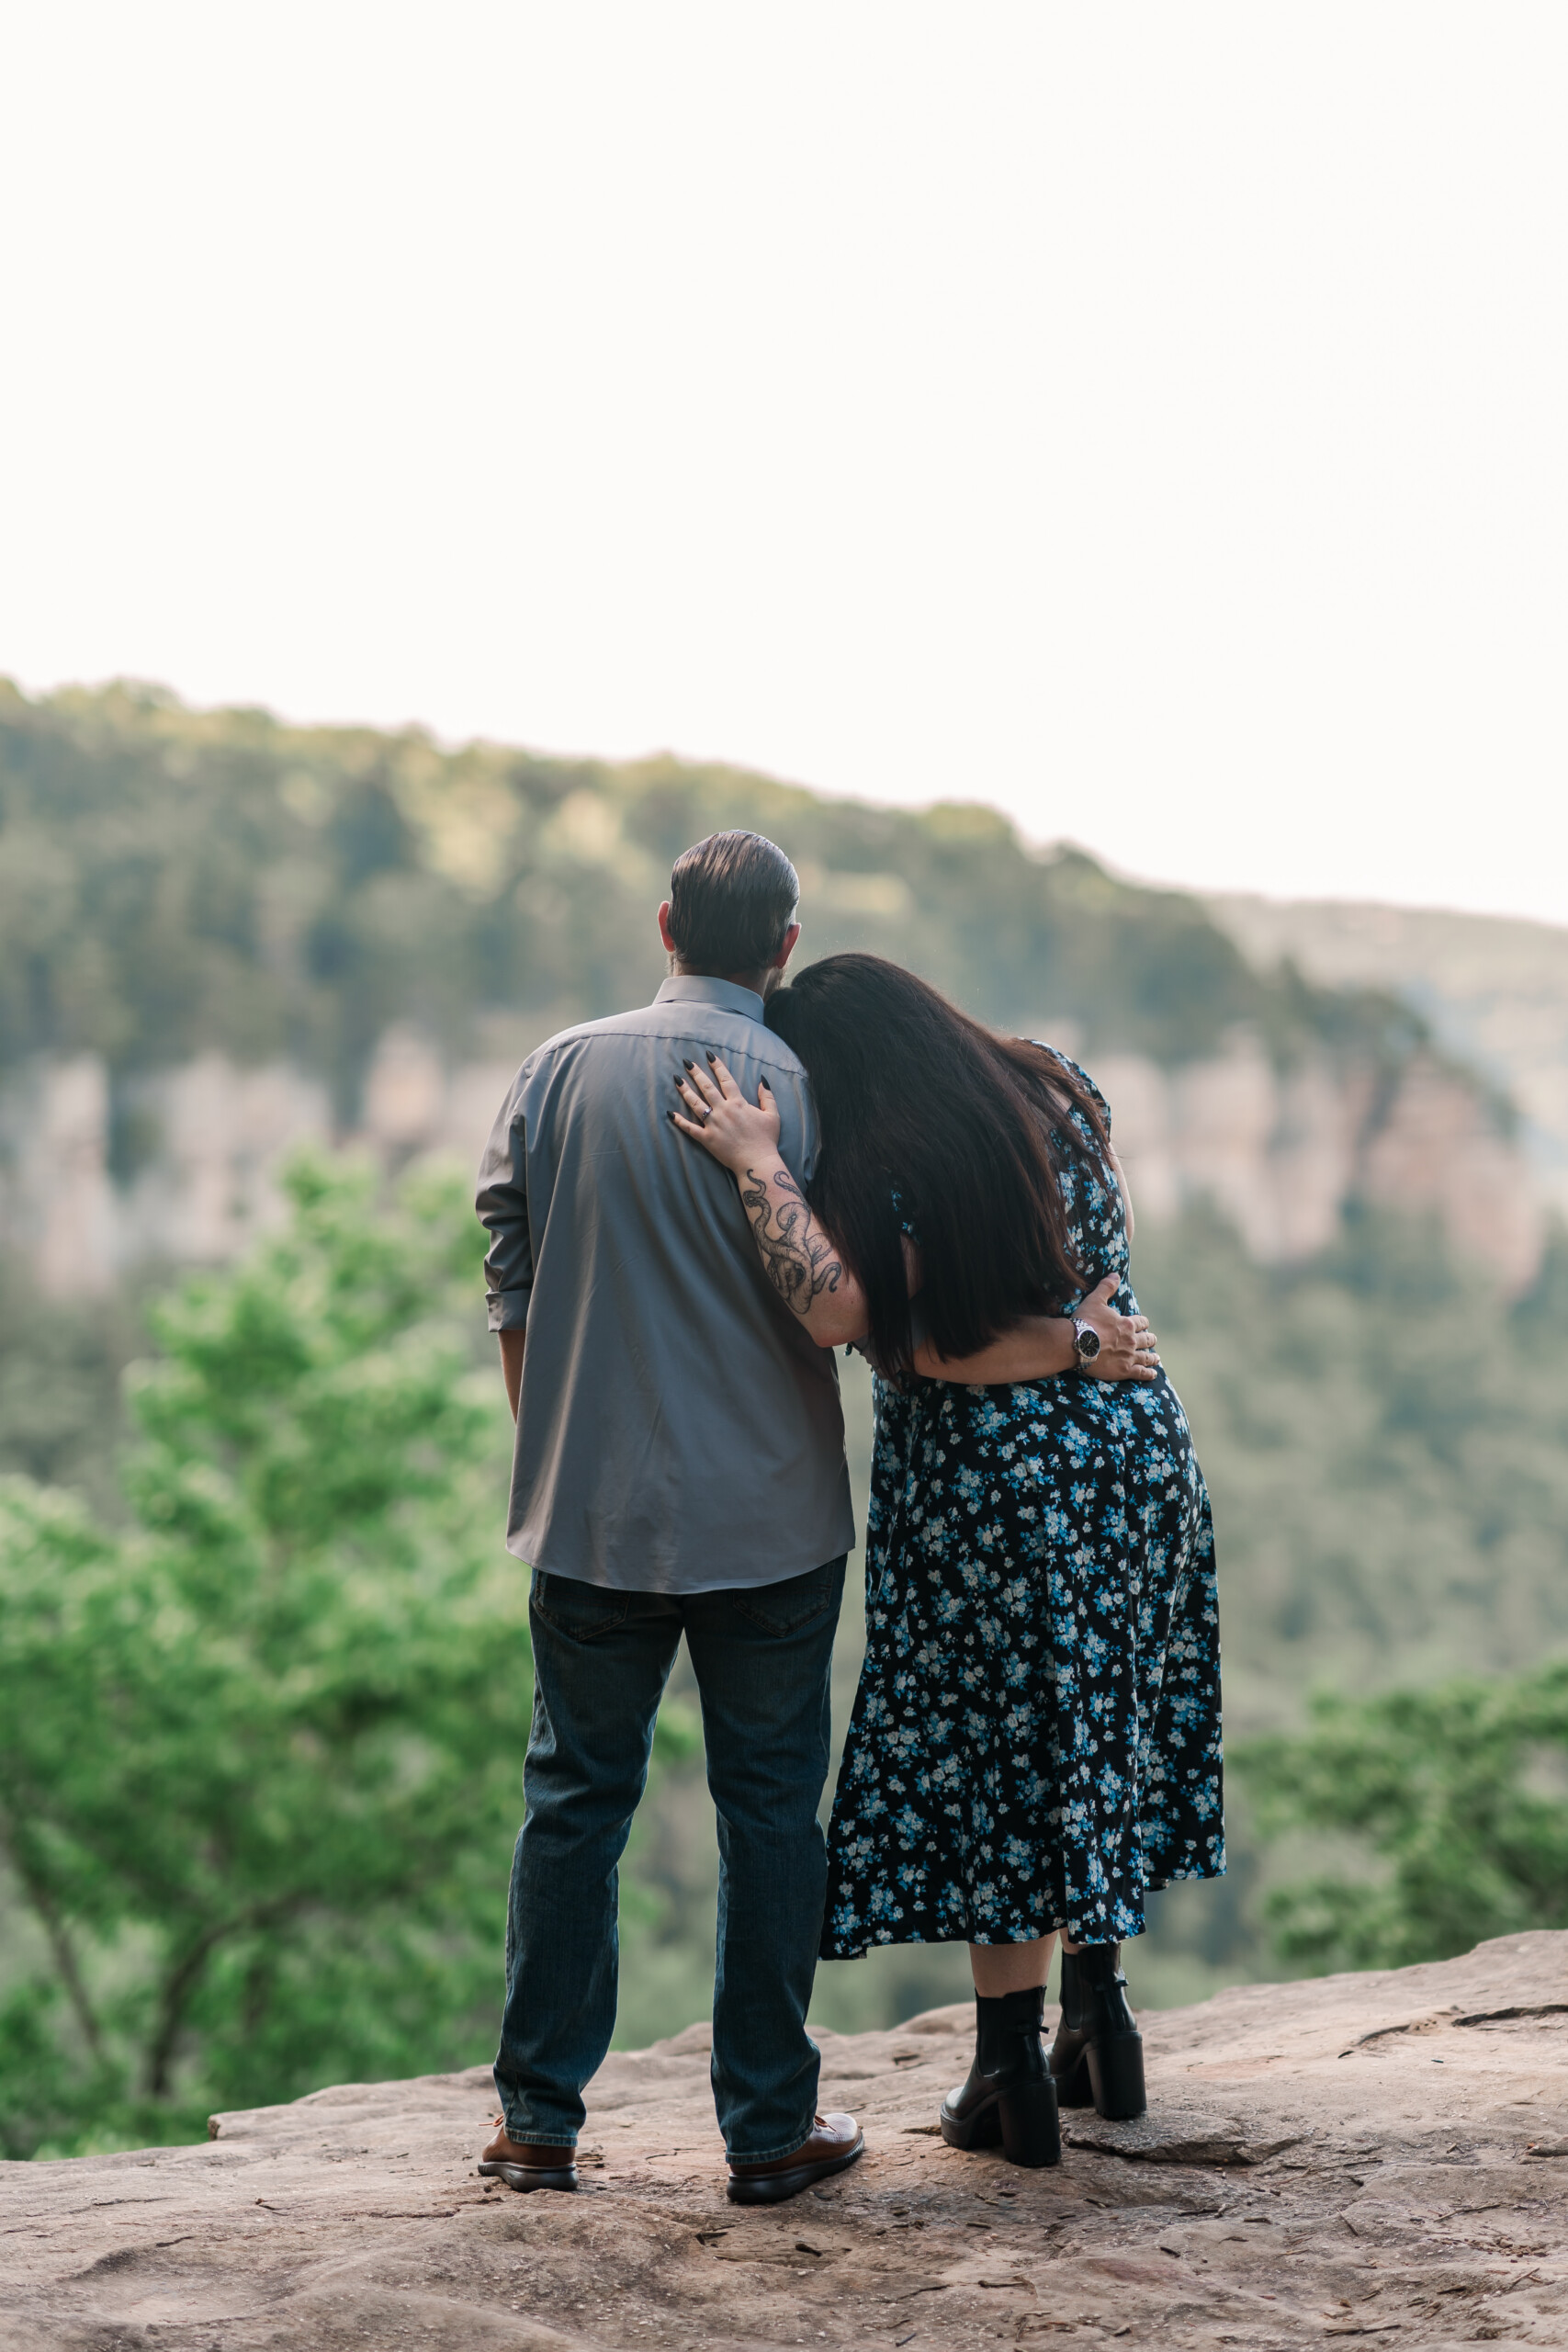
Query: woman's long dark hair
x=917 y=1098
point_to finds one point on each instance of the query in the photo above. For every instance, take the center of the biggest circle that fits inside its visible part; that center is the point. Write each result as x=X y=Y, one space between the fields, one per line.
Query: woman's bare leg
x=1010 y=1968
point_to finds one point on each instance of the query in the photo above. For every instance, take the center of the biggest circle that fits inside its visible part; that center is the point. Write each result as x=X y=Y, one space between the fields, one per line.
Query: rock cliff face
x=1278 y=1151
x=1382 y=2157
x=1493 y=989
x=1281 y=1152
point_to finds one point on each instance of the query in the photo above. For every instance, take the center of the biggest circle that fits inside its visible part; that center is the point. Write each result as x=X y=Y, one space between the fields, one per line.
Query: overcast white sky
x=1148 y=418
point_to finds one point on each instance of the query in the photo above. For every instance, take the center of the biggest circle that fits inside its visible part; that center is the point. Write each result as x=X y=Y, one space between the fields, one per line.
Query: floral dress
x=1035 y=1741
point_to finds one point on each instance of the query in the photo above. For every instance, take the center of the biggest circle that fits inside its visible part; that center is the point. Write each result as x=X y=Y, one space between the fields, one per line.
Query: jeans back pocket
x=794 y=1602
x=580 y=1609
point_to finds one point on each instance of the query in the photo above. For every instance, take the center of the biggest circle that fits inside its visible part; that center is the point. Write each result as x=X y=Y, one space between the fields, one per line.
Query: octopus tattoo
x=800 y=1264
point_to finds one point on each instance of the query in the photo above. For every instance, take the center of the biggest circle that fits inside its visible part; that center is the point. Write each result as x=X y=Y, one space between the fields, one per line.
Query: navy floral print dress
x=1035 y=1742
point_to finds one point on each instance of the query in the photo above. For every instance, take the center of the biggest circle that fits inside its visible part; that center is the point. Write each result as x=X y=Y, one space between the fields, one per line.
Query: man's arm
x=502 y=1205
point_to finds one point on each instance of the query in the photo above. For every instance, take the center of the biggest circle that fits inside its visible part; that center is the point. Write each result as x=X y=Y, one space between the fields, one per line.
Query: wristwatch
x=1085 y=1341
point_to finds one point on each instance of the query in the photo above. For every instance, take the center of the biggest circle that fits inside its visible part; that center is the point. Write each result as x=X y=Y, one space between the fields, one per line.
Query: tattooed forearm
x=799 y=1259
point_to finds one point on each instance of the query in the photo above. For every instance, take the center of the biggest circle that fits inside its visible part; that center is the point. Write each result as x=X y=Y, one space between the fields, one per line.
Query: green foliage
x=260 y=1751
x=1461 y=1796
x=1387 y=1449
x=61 y=1366
x=174 y=880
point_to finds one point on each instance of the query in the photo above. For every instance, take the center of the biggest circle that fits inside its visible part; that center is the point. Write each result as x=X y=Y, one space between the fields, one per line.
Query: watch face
x=1087 y=1341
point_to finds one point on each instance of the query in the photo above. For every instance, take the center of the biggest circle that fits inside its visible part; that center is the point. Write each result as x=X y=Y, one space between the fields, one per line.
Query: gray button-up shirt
x=679 y=1431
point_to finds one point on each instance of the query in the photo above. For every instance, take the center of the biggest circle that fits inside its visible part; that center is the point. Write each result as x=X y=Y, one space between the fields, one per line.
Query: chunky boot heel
x=1073 y=2088
x=1009 y=2097
x=1031 y=2133
x=1116 y=2075
x=1099 y=2052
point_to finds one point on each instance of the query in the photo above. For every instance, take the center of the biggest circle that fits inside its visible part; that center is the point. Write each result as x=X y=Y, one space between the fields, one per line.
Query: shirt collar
x=695 y=988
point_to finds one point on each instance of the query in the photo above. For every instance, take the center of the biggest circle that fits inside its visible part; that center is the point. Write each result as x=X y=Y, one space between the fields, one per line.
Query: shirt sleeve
x=502 y=1205
x=1080 y=1072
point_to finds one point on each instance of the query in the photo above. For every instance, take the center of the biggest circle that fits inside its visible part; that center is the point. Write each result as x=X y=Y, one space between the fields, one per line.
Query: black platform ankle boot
x=1098 y=2056
x=1009 y=2094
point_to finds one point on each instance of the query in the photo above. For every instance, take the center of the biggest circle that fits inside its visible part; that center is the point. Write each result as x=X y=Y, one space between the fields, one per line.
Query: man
x=679 y=1468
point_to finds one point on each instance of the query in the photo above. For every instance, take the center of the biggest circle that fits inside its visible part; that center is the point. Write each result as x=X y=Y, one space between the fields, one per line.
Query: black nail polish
x=713 y=1057
x=688 y=1065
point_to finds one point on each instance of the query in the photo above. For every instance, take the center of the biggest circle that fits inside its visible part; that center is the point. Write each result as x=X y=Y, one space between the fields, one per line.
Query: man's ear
x=787 y=948
x=664 y=927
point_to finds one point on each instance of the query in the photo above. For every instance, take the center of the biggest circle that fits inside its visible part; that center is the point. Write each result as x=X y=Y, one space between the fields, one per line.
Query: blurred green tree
x=1457 y=1798
x=261 y=1749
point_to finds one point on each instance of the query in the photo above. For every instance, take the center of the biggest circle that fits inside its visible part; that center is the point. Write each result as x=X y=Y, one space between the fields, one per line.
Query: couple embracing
x=690 y=1207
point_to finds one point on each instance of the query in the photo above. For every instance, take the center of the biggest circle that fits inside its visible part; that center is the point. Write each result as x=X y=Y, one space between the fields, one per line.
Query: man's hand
x=1128 y=1349
x=512 y=1343
x=1040 y=1347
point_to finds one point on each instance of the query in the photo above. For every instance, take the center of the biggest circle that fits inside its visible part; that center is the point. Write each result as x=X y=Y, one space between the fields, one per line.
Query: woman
x=1036 y=1739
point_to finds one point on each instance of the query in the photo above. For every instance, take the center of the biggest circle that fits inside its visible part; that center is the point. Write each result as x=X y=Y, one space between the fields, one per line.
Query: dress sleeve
x=1078 y=1072
x=501 y=1202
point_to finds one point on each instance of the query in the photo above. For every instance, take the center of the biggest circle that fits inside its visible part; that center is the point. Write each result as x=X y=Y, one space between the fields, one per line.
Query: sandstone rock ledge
x=1382 y=2157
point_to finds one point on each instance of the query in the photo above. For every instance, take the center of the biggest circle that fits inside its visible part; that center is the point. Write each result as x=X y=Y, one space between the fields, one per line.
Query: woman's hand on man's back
x=739 y=1134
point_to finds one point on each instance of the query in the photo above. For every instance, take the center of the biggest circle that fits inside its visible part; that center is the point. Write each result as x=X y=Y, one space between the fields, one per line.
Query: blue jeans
x=762 y=1655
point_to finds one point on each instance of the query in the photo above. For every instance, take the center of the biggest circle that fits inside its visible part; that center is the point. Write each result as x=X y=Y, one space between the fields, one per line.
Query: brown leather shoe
x=528 y=2163
x=837 y=2141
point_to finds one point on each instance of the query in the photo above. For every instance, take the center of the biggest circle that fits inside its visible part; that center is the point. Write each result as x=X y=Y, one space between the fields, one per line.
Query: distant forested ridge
x=173 y=880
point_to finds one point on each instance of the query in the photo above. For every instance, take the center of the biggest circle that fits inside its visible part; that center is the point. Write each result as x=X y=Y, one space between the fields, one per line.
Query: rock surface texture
x=1382 y=2157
